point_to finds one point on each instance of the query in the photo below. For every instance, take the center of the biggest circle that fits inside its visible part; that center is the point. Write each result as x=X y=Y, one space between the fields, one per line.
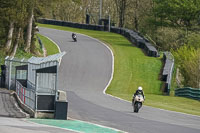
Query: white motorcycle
x=137 y=103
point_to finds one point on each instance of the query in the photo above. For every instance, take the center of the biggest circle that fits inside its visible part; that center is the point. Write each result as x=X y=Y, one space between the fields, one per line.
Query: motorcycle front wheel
x=136 y=109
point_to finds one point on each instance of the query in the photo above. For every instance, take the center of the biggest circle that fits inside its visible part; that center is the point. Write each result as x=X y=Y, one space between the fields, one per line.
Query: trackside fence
x=26 y=95
x=188 y=92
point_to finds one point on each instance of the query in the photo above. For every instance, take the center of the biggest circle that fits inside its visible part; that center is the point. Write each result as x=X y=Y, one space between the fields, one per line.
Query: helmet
x=140 y=88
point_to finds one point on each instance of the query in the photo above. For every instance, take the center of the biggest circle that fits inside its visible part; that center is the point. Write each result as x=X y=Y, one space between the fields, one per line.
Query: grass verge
x=49 y=45
x=133 y=69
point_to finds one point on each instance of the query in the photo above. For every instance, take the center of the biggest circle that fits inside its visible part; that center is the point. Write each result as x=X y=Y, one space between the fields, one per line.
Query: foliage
x=15 y=14
x=194 y=40
x=50 y=47
x=169 y=38
x=178 y=12
x=188 y=59
x=121 y=6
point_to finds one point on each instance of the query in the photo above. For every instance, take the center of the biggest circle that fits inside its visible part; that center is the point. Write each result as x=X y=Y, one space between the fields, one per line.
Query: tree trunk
x=122 y=11
x=29 y=32
x=9 y=38
x=16 y=43
x=136 y=16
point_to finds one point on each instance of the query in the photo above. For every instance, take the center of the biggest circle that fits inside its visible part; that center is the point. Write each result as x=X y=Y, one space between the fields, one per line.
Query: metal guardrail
x=188 y=92
x=26 y=95
x=167 y=71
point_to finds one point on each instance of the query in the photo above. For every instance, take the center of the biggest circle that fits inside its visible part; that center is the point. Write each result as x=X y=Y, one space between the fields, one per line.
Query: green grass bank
x=133 y=69
x=50 y=47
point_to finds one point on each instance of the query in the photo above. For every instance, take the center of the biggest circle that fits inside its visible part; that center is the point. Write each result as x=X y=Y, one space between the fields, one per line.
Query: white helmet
x=140 y=88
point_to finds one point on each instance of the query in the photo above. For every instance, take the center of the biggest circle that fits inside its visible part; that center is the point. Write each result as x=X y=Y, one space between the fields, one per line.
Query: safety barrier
x=26 y=95
x=135 y=37
x=71 y=24
x=168 y=60
x=188 y=92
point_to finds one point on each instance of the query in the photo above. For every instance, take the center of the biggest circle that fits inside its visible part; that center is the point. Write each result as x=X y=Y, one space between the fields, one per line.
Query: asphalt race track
x=85 y=72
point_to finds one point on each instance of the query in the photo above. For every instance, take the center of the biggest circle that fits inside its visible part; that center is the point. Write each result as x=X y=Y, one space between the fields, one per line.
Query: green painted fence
x=188 y=92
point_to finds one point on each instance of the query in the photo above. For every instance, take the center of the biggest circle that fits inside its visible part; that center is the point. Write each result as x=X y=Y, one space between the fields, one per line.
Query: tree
x=8 y=14
x=33 y=7
x=121 y=10
x=9 y=37
x=30 y=10
x=181 y=13
x=19 y=22
x=188 y=60
x=137 y=14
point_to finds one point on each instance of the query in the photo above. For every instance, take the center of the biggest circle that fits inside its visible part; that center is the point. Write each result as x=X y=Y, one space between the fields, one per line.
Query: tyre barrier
x=133 y=36
x=137 y=39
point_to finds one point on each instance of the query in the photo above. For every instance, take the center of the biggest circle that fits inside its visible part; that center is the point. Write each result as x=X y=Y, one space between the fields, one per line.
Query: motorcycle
x=74 y=37
x=137 y=103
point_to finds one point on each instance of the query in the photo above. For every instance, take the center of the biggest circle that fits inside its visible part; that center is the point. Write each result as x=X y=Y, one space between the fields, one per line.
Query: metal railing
x=26 y=95
x=167 y=71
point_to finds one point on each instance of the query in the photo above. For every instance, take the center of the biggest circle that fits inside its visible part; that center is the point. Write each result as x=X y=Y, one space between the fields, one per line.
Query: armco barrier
x=188 y=92
x=135 y=37
x=167 y=71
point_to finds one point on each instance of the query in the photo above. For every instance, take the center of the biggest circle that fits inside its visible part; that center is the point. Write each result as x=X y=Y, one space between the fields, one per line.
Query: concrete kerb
x=30 y=113
x=25 y=108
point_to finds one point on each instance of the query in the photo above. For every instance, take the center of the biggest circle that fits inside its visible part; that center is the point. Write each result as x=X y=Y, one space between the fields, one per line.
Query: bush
x=188 y=60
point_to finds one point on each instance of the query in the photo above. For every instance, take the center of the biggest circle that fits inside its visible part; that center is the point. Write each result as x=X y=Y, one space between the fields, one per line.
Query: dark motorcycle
x=74 y=37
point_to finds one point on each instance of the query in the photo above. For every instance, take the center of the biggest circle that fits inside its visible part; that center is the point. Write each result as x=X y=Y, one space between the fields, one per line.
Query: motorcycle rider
x=138 y=91
x=74 y=36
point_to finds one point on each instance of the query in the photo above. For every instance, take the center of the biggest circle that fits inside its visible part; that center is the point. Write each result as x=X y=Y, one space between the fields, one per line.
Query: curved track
x=84 y=73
